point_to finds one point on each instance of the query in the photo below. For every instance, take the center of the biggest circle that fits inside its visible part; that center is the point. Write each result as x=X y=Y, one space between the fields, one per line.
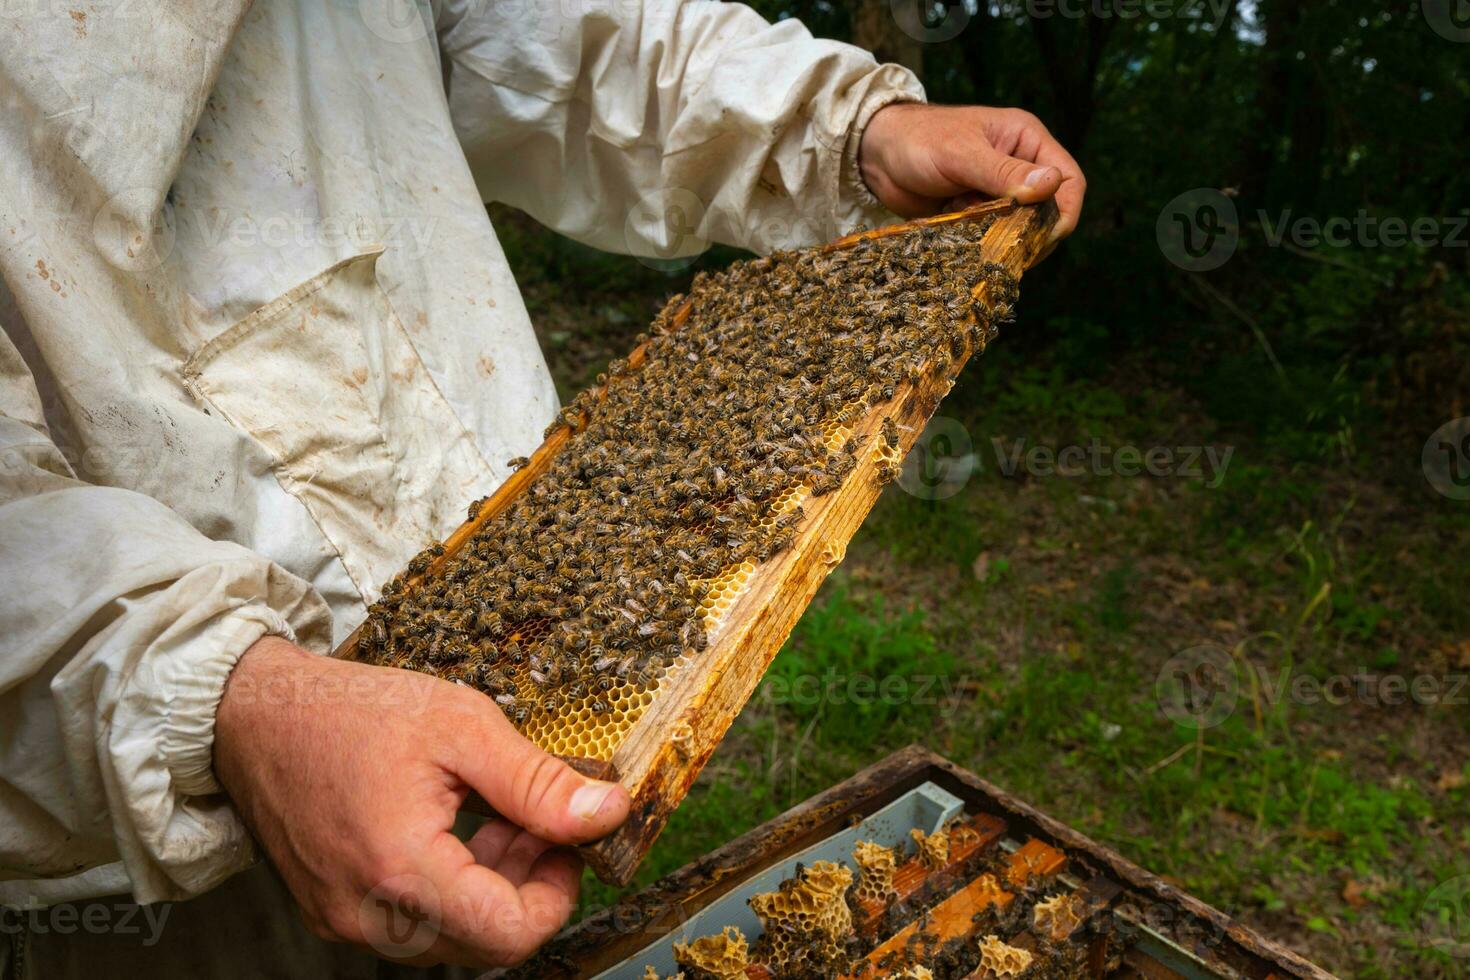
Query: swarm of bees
x=589 y=584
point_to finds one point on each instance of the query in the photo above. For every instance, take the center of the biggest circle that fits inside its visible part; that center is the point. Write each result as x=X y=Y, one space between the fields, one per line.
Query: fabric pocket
x=326 y=379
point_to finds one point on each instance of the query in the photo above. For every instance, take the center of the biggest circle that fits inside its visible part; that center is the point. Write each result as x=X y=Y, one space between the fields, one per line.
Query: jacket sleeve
x=119 y=623
x=655 y=127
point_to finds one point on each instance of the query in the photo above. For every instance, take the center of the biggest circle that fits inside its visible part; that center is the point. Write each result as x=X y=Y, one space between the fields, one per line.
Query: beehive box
x=652 y=716
x=987 y=888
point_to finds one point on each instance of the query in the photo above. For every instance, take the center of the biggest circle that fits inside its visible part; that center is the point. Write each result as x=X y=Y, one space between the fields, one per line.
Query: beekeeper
x=261 y=345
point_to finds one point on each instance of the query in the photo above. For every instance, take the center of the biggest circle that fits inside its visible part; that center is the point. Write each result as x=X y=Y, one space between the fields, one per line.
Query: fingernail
x=588 y=800
x=1037 y=176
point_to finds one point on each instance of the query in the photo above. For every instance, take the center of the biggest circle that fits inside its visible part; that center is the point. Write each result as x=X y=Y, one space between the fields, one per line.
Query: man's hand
x=350 y=777
x=916 y=157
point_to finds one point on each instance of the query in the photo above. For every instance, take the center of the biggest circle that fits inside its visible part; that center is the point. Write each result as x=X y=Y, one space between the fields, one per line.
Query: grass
x=1039 y=612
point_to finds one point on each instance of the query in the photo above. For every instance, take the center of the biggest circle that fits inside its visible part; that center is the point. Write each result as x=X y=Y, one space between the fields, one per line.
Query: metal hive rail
x=656 y=736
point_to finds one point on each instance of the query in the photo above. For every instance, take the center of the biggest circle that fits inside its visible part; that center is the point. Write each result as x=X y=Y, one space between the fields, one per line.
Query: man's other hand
x=350 y=777
x=915 y=158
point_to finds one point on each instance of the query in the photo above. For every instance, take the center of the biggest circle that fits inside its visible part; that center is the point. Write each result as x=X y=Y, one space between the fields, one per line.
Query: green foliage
x=857 y=669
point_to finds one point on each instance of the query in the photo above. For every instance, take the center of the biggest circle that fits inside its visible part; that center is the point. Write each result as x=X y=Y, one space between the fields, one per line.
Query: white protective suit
x=261 y=344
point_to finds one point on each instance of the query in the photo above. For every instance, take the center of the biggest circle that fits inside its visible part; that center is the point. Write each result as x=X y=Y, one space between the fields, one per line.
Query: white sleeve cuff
x=853 y=184
x=897 y=84
x=194 y=689
x=154 y=679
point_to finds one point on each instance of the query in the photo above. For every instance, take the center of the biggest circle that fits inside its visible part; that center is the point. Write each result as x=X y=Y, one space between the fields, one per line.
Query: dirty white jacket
x=261 y=344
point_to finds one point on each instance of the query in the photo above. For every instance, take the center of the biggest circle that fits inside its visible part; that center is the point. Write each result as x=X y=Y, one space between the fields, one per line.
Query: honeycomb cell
x=884 y=453
x=962 y=835
x=876 y=865
x=933 y=848
x=835 y=434
x=721 y=593
x=915 y=972
x=1003 y=960
x=576 y=729
x=806 y=922
x=1056 y=917
x=723 y=956
x=788 y=501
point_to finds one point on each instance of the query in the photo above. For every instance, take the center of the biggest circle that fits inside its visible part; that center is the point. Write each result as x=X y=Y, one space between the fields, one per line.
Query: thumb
x=534 y=789
x=982 y=167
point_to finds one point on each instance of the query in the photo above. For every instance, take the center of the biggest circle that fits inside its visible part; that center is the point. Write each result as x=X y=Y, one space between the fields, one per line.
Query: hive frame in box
x=660 y=756
x=1172 y=919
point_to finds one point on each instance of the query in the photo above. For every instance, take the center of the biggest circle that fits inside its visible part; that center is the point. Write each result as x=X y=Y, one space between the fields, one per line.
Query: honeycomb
x=723 y=956
x=585 y=598
x=933 y=848
x=915 y=972
x=576 y=730
x=962 y=834
x=649 y=973
x=1001 y=959
x=876 y=865
x=806 y=922
x=1056 y=917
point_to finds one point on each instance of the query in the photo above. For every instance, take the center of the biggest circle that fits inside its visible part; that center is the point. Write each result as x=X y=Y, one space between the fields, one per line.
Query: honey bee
x=519 y=462
x=377 y=631
x=823 y=484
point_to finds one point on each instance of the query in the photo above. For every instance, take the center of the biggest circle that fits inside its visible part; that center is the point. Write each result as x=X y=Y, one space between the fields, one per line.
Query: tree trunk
x=875 y=28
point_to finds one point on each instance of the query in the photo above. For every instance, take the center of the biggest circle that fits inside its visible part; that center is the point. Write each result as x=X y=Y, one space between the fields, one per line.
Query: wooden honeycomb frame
x=752 y=609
